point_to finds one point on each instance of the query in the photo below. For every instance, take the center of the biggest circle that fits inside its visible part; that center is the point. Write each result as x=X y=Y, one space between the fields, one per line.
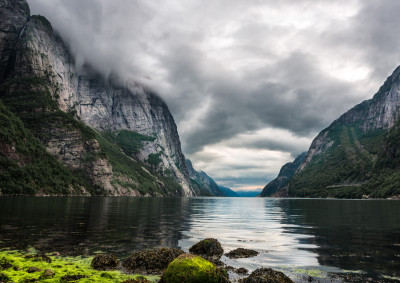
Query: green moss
x=62 y=267
x=191 y=269
x=131 y=142
x=123 y=166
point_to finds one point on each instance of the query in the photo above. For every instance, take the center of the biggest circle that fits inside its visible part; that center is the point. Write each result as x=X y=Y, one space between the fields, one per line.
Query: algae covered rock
x=192 y=269
x=153 y=261
x=241 y=253
x=209 y=248
x=33 y=269
x=48 y=273
x=266 y=275
x=39 y=257
x=104 y=262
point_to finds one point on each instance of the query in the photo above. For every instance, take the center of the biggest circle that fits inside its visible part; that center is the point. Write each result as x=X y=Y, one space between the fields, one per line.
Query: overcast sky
x=249 y=83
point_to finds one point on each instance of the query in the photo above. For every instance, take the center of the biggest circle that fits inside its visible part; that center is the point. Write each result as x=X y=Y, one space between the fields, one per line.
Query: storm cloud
x=249 y=83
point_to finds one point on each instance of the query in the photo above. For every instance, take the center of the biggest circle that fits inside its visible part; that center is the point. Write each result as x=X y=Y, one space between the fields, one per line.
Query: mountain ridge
x=357 y=156
x=118 y=135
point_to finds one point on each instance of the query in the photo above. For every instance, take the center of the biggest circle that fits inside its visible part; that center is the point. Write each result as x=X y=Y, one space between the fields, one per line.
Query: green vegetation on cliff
x=26 y=167
x=31 y=117
x=356 y=164
x=140 y=178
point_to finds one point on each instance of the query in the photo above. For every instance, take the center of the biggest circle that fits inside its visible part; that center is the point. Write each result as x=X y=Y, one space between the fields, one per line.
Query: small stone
x=242 y=271
x=241 y=253
x=209 y=249
x=266 y=275
x=41 y=257
x=48 y=273
x=104 y=262
x=33 y=269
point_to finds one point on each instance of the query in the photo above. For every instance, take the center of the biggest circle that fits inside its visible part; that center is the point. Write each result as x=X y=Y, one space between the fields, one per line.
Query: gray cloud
x=258 y=65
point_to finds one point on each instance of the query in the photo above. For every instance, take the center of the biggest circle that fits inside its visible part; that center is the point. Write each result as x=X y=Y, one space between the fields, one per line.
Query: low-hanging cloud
x=230 y=68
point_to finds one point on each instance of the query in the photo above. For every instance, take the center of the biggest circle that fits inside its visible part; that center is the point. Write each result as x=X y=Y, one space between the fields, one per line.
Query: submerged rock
x=241 y=253
x=266 y=275
x=153 y=261
x=193 y=269
x=104 y=262
x=209 y=249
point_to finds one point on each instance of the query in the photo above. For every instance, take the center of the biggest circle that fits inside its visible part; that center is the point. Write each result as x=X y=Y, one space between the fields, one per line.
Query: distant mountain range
x=357 y=156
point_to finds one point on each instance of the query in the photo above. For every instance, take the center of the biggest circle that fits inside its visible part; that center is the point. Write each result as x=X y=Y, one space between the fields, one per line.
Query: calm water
x=317 y=237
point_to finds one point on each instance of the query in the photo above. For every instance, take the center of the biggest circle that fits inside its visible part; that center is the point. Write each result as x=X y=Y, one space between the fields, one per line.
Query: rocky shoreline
x=166 y=265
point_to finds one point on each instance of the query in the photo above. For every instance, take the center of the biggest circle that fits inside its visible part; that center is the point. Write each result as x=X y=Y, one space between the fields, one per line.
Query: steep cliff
x=205 y=184
x=285 y=174
x=118 y=134
x=358 y=155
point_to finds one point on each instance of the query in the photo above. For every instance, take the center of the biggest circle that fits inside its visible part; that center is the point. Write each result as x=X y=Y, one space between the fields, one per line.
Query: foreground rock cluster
x=202 y=264
x=165 y=265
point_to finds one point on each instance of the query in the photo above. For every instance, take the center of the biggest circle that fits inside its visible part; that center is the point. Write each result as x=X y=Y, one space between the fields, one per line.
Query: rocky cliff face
x=206 y=185
x=356 y=156
x=34 y=55
x=285 y=174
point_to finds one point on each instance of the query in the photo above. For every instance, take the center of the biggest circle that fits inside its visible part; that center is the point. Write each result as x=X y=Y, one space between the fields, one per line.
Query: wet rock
x=104 y=262
x=192 y=269
x=209 y=249
x=153 y=261
x=266 y=275
x=72 y=277
x=39 y=257
x=33 y=269
x=241 y=271
x=241 y=253
x=48 y=273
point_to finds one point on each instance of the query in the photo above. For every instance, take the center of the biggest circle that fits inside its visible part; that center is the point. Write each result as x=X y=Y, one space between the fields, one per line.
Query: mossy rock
x=48 y=273
x=153 y=261
x=209 y=249
x=266 y=275
x=104 y=262
x=241 y=253
x=192 y=269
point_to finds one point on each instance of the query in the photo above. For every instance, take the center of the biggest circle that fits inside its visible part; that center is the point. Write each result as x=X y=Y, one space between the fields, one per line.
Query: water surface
x=322 y=236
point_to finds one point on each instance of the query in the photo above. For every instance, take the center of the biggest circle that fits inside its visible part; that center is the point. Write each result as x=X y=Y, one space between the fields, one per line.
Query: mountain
x=358 y=155
x=202 y=181
x=246 y=193
x=228 y=192
x=285 y=174
x=67 y=129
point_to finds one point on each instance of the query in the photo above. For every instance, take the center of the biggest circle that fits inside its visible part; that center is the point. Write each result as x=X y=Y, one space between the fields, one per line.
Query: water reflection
x=358 y=235
x=350 y=234
x=252 y=223
x=85 y=225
